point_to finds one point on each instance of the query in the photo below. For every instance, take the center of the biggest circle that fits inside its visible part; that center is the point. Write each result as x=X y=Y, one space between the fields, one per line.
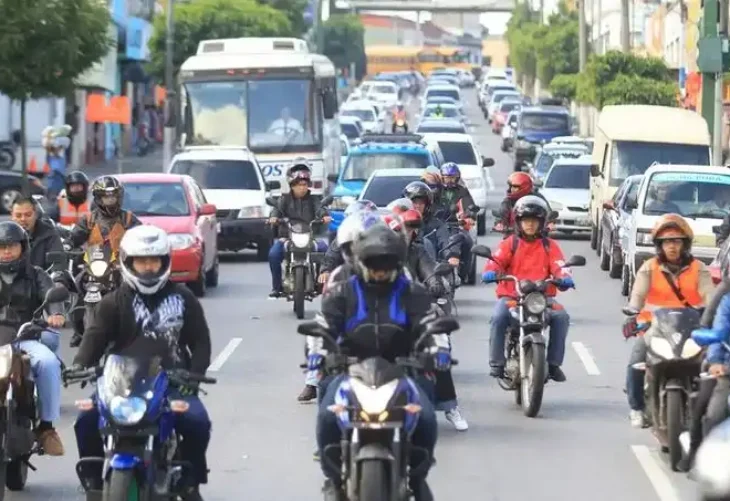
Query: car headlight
x=180 y=241
x=555 y=205
x=254 y=211
x=98 y=268
x=373 y=400
x=127 y=410
x=661 y=347
x=535 y=303
x=301 y=240
x=474 y=183
x=643 y=237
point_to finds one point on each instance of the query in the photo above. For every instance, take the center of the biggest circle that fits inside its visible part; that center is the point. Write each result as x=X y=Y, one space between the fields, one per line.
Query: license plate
x=218 y=227
x=92 y=297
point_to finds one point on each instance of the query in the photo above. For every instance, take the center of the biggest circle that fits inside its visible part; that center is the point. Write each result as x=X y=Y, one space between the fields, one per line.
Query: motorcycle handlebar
x=516 y=280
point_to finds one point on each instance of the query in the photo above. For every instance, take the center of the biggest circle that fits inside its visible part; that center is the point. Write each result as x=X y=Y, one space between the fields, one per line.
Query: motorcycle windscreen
x=99 y=252
x=128 y=386
x=298 y=226
x=669 y=321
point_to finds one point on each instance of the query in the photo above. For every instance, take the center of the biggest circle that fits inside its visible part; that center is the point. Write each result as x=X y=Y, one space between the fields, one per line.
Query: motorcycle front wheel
x=533 y=382
x=121 y=486
x=374 y=481
x=675 y=426
x=299 y=283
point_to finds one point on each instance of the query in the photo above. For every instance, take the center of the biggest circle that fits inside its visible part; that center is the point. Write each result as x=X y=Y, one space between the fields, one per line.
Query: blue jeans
x=194 y=426
x=635 y=377
x=328 y=430
x=430 y=248
x=277 y=254
x=46 y=369
x=559 y=324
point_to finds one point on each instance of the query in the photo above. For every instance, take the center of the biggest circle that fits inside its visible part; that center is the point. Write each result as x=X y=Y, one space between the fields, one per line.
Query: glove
x=75 y=368
x=629 y=328
x=566 y=283
x=189 y=390
x=489 y=277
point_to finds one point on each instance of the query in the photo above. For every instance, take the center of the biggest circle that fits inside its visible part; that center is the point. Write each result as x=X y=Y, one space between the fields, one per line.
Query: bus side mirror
x=329 y=104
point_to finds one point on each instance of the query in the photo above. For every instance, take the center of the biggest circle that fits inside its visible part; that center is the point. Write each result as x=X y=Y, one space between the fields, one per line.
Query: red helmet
x=522 y=181
x=412 y=219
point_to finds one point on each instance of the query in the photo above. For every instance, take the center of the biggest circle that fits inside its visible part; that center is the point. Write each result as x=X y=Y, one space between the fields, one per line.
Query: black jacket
x=21 y=298
x=450 y=198
x=178 y=331
x=332 y=258
x=724 y=230
x=303 y=209
x=44 y=239
x=438 y=233
x=421 y=266
x=369 y=330
x=81 y=231
x=505 y=209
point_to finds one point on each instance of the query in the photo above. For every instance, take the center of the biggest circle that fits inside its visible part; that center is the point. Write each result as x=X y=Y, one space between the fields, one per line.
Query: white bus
x=270 y=94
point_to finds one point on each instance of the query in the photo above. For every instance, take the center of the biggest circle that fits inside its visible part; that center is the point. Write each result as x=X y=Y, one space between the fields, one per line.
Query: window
x=509 y=106
x=572 y=177
x=446 y=112
x=631 y=195
x=350 y=130
x=458 y=152
x=384 y=189
x=364 y=115
x=546 y=122
x=220 y=174
x=457 y=128
x=156 y=199
x=360 y=167
x=691 y=194
x=452 y=93
x=629 y=158
x=384 y=89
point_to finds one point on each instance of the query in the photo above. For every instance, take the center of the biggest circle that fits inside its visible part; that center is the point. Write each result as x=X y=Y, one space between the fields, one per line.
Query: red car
x=176 y=204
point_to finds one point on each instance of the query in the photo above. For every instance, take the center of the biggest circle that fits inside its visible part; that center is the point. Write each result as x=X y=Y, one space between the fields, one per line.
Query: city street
x=581 y=446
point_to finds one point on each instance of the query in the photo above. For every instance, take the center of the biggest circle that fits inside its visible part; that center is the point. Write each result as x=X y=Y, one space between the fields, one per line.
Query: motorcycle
x=673 y=363
x=301 y=269
x=527 y=337
x=465 y=218
x=141 y=448
x=400 y=126
x=18 y=410
x=98 y=278
x=377 y=418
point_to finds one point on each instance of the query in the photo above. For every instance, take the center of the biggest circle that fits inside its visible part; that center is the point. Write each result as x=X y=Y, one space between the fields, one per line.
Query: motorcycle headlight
x=661 y=347
x=690 y=349
x=127 y=410
x=535 y=303
x=255 y=211
x=300 y=240
x=373 y=400
x=179 y=241
x=98 y=268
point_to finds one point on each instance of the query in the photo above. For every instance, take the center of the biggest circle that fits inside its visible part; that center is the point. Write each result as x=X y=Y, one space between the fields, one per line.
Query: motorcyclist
x=23 y=288
x=458 y=201
x=438 y=112
x=672 y=279
x=399 y=115
x=149 y=315
x=436 y=237
x=528 y=254
x=432 y=177
x=393 y=307
x=299 y=204
x=42 y=234
x=105 y=224
x=73 y=204
x=519 y=184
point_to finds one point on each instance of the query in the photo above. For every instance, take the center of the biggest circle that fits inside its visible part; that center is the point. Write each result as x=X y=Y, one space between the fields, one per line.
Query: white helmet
x=145 y=241
x=350 y=228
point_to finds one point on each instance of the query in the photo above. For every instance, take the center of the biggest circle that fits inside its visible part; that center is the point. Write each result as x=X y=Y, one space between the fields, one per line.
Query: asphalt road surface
x=580 y=447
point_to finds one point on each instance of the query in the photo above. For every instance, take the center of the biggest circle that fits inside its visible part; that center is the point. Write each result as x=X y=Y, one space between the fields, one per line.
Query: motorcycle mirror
x=706 y=337
x=497 y=213
x=57 y=294
x=716 y=230
x=311 y=328
x=629 y=311
x=326 y=201
x=271 y=202
x=442 y=269
x=482 y=251
x=575 y=261
x=442 y=325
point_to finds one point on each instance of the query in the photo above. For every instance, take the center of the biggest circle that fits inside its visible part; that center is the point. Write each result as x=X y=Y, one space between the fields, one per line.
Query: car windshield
x=452 y=93
x=383 y=89
x=458 y=152
x=156 y=199
x=633 y=157
x=546 y=159
x=451 y=127
x=350 y=130
x=545 y=122
x=220 y=174
x=509 y=106
x=446 y=111
x=492 y=90
x=572 y=177
x=691 y=194
x=498 y=98
x=364 y=115
x=384 y=189
x=360 y=167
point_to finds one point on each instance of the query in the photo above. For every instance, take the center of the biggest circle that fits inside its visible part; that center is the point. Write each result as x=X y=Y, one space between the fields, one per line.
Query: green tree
x=633 y=89
x=46 y=46
x=210 y=19
x=564 y=86
x=521 y=34
x=344 y=42
x=557 y=50
x=294 y=11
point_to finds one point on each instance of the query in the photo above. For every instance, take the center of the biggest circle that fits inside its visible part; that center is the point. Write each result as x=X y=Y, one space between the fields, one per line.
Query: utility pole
x=625 y=27
x=582 y=61
x=717 y=146
x=170 y=108
x=598 y=29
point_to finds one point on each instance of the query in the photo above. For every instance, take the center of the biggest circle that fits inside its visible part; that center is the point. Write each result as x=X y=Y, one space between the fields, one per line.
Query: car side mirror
x=271 y=202
x=332 y=178
x=632 y=204
x=207 y=210
x=595 y=171
x=273 y=185
x=717 y=230
x=57 y=294
x=575 y=261
x=537 y=183
x=482 y=251
x=487 y=162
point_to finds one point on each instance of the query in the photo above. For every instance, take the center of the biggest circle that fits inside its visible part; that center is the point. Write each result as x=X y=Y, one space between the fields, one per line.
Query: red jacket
x=536 y=260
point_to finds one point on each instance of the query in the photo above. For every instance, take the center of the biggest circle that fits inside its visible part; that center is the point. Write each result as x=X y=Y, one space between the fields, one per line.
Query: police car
x=374 y=152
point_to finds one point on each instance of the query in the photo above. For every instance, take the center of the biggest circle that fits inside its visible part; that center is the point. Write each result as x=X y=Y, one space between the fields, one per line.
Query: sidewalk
x=152 y=162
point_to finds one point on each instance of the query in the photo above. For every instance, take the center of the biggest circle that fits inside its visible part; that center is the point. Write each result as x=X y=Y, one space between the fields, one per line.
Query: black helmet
x=77 y=177
x=531 y=206
x=418 y=189
x=104 y=186
x=379 y=248
x=12 y=233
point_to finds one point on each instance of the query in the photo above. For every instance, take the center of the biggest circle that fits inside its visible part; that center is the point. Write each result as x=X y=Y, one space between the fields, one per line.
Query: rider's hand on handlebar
x=489 y=277
x=454 y=261
x=717 y=370
x=322 y=279
x=56 y=321
x=566 y=283
x=273 y=220
x=327 y=219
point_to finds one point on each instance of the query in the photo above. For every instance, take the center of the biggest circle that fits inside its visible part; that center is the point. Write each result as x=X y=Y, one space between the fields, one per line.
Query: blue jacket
x=717 y=354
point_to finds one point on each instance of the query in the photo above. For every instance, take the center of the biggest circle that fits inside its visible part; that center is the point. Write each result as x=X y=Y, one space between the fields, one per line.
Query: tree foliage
x=294 y=10
x=344 y=42
x=620 y=78
x=564 y=86
x=210 y=19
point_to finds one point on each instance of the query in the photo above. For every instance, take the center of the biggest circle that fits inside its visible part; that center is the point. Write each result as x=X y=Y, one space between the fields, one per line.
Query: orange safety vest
x=662 y=295
x=114 y=237
x=69 y=213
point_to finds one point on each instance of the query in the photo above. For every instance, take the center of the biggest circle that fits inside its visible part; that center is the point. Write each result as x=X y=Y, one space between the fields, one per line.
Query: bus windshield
x=268 y=116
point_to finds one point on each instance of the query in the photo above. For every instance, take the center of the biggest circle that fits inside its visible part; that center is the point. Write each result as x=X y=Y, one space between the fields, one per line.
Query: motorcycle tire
x=299 y=286
x=374 y=481
x=16 y=475
x=7 y=159
x=533 y=383
x=675 y=426
x=121 y=486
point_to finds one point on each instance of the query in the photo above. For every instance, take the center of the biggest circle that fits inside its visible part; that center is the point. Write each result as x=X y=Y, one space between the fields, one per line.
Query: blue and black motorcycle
x=136 y=421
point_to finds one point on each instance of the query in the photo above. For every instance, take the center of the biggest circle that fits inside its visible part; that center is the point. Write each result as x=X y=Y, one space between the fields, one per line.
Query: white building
x=604 y=18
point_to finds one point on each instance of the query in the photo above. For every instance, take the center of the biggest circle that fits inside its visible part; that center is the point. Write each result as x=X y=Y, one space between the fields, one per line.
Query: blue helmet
x=450 y=170
x=360 y=206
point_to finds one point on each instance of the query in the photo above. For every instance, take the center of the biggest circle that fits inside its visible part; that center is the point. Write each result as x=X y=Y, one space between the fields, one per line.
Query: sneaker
x=50 y=442
x=556 y=374
x=275 y=293
x=454 y=417
x=193 y=494
x=75 y=340
x=332 y=492
x=308 y=394
x=637 y=419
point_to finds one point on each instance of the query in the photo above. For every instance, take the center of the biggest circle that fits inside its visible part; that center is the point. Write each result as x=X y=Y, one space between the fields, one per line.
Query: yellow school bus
x=391 y=58
x=433 y=58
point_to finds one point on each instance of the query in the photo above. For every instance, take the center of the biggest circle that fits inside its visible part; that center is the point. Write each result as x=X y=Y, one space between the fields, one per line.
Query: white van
x=629 y=138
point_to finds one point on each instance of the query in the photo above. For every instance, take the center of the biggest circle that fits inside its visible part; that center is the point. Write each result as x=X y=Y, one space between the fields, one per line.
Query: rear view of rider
x=528 y=255
x=435 y=233
x=519 y=184
x=672 y=279
x=299 y=204
x=399 y=115
x=432 y=177
x=376 y=312
x=454 y=194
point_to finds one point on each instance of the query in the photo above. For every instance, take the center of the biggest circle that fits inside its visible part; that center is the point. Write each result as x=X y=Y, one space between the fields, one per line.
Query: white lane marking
x=659 y=480
x=225 y=354
x=586 y=358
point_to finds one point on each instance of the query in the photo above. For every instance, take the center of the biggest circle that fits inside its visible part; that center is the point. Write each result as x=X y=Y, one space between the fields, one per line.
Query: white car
x=385 y=185
x=460 y=149
x=365 y=111
x=508 y=129
x=231 y=179
x=451 y=91
x=497 y=98
x=383 y=92
x=567 y=188
x=344 y=149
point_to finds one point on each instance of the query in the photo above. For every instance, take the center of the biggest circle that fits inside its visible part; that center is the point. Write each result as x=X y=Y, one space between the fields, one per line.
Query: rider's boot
x=421 y=490
x=556 y=373
x=75 y=340
x=276 y=293
x=308 y=394
x=332 y=492
x=193 y=494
